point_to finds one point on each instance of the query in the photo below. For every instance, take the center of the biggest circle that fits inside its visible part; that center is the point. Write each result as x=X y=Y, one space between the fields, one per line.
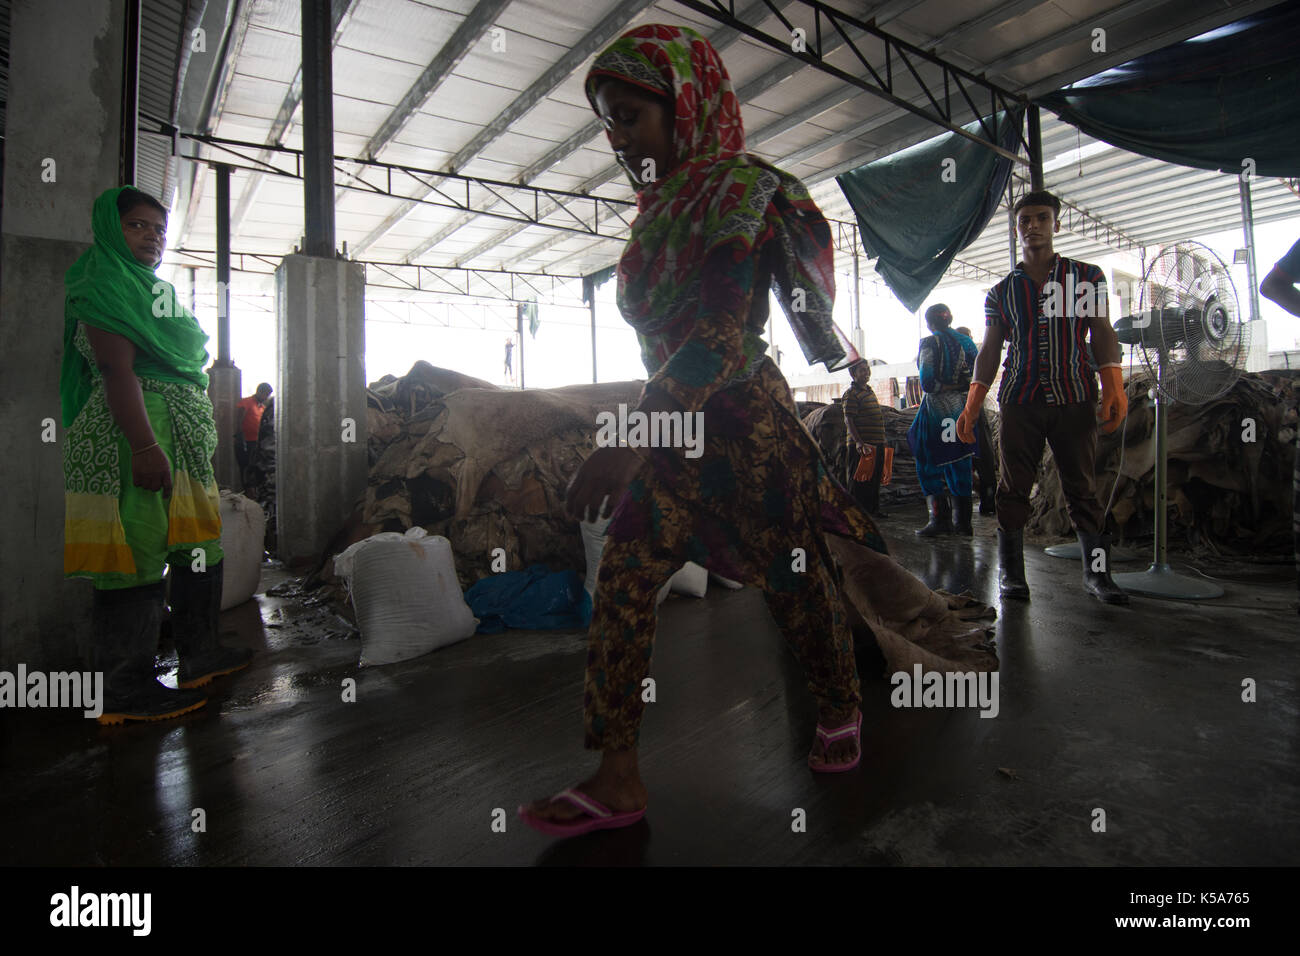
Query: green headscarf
x=109 y=289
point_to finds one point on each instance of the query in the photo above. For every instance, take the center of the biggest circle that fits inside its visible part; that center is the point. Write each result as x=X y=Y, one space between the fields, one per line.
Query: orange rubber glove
x=971 y=413
x=1114 y=402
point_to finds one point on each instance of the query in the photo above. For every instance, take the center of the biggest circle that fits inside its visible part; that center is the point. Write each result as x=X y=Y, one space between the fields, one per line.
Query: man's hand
x=971 y=413
x=607 y=472
x=1114 y=402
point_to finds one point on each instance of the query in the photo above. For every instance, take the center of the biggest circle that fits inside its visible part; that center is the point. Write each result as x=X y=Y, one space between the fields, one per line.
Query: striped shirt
x=863 y=409
x=1046 y=329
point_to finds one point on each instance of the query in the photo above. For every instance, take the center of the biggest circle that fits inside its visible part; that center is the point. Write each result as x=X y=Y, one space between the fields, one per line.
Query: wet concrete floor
x=1135 y=711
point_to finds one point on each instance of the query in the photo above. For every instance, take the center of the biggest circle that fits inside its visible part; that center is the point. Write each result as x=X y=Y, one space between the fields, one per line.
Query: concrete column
x=320 y=407
x=57 y=160
x=225 y=383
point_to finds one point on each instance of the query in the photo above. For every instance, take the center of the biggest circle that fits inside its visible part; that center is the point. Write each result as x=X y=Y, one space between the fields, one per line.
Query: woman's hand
x=607 y=471
x=152 y=471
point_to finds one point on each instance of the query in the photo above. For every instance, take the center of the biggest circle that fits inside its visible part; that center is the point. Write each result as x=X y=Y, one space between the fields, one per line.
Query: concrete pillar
x=320 y=407
x=70 y=54
x=224 y=386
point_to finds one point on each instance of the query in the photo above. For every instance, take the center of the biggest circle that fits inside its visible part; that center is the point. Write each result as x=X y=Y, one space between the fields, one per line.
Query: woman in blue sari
x=943 y=461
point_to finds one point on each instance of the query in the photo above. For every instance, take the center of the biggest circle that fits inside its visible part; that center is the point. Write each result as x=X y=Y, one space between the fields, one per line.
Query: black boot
x=1011 y=559
x=1096 y=553
x=124 y=646
x=196 y=603
x=940 y=517
x=962 y=523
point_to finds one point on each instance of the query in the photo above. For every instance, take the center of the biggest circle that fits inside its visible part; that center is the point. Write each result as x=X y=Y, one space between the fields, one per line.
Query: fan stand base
x=1160 y=580
x=1074 y=552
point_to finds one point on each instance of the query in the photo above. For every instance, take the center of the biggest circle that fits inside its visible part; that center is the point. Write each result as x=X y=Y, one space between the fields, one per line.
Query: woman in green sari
x=139 y=485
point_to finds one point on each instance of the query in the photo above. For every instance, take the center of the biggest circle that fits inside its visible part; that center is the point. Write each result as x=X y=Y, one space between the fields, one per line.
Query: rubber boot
x=961 y=522
x=124 y=647
x=196 y=604
x=940 y=517
x=1096 y=553
x=1011 y=559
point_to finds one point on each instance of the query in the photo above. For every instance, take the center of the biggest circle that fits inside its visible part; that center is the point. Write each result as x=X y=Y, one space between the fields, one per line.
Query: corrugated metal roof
x=161 y=26
x=810 y=123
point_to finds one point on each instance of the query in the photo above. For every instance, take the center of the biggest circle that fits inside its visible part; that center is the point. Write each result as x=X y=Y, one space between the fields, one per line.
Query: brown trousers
x=1071 y=430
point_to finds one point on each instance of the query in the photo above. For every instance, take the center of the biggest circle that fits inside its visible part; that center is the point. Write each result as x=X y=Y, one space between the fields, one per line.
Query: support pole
x=318 y=129
x=130 y=95
x=857 y=286
x=1011 y=219
x=1248 y=227
x=223 y=265
x=592 y=306
x=1035 y=148
x=519 y=322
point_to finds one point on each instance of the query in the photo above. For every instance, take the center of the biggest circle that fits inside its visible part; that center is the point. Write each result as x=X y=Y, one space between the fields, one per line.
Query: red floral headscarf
x=715 y=195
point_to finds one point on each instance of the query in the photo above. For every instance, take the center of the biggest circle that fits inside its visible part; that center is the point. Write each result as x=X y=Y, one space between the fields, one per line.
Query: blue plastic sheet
x=915 y=220
x=1211 y=102
x=533 y=600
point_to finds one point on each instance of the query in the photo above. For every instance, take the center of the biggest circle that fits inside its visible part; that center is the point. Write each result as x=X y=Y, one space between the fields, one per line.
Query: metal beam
x=941 y=109
x=437 y=184
x=496 y=284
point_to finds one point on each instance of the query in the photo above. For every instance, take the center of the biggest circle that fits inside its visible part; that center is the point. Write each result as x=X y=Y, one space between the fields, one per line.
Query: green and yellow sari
x=116 y=534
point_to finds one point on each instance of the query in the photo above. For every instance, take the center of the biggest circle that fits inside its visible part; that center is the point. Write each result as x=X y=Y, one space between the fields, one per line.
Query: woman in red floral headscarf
x=717 y=227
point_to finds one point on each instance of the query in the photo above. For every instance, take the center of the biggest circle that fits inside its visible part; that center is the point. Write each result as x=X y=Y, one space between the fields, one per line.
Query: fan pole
x=1160 y=580
x=1162 y=471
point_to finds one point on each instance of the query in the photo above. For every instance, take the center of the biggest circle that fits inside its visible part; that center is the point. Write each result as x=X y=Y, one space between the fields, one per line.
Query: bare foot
x=616 y=784
x=840 y=751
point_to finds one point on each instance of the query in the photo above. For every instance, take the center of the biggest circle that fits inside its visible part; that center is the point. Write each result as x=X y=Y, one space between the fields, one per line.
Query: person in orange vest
x=248 y=423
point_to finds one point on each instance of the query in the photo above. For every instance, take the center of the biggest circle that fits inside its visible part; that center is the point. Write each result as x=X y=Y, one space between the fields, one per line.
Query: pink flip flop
x=598 y=817
x=829 y=737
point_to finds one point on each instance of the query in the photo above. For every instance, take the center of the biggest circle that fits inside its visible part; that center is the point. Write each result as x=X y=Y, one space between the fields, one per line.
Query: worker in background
x=864 y=428
x=248 y=425
x=986 y=463
x=1047 y=310
x=946 y=360
x=1280 y=286
x=510 y=352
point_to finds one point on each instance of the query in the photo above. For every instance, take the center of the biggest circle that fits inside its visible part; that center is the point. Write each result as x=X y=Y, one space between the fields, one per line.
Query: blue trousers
x=957 y=478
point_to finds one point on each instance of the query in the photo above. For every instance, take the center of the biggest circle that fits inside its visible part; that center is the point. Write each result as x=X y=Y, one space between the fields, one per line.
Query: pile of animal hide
x=827 y=426
x=485 y=468
x=482 y=466
x=1229 y=483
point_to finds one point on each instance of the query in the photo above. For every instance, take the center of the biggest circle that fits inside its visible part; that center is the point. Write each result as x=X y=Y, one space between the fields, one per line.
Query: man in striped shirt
x=1047 y=311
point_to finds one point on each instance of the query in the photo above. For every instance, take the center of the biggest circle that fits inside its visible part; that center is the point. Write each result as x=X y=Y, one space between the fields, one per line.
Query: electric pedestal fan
x=1191 y=338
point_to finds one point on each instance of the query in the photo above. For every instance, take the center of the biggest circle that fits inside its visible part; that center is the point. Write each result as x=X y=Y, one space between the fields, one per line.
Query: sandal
x=598 y=817
x=829 y=737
